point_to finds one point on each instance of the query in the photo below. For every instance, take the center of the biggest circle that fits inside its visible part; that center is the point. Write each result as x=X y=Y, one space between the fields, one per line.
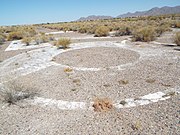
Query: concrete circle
x=97 y=57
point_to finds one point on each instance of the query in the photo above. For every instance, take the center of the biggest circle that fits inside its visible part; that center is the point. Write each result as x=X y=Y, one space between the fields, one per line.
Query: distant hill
x=94 y=17
x=153 y=12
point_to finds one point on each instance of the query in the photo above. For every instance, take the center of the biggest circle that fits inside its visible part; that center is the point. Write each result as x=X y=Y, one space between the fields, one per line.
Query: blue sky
x=42 y=11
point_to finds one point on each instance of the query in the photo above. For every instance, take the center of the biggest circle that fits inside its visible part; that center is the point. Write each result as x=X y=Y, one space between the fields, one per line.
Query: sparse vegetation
x=161 y=29
x=13 y=92
x=124 y=82
x=42 y=39
x=63 y=42
x=177 y=24
x=15 y=35
x=77 y=81
x=2 y=38
x=26 y=40
x=20 y=32
x=102 y=105
x=177 y=38
x=102 y=31
x=68 y=70
x=144 y=34
x=150 y=80
x=136 y=126
x=124 y=30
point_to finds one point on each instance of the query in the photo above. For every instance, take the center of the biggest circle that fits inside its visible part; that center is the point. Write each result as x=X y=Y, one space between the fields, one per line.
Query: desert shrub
x=102 y=31
x=177 y=24
x=15 y=36
x=26 y=40
x=161 y=29
x=123 y=82
x=177 y=38
x=2 y=38
x=13 y=92
x=29 y=32
x=83 y=30
x=19 y=32
x=50 y=37
x=144 y=34
x=63 y=42
x=41 y=39
x=123 y=31
x=91 y=30
x=101 y=105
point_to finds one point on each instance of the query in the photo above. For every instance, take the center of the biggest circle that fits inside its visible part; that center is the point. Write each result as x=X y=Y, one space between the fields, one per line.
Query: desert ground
x=99 y=85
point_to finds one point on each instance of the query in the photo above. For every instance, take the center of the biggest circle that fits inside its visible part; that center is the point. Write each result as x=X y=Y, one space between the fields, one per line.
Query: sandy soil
x=125 y=70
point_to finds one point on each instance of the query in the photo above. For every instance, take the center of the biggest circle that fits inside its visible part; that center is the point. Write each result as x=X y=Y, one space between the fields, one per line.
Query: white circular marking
x=130 y=102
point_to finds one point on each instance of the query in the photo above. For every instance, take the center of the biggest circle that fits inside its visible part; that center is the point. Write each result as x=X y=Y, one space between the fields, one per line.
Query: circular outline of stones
x=118 y=67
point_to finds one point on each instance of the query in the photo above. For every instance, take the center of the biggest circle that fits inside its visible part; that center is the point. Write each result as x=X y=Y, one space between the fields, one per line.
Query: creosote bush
x=177 y=38
x=63 y=42
x=41 y=39
x=15 y=35
x=123 y=31
x=102 y=31
x=144 y=34
x=20 y=32
x=26 y=40
x=161 y=29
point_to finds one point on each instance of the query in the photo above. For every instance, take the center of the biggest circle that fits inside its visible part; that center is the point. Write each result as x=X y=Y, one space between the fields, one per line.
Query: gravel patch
x=97 y=57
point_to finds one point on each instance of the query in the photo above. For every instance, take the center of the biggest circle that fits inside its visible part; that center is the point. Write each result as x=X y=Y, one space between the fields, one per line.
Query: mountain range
x=152 y=12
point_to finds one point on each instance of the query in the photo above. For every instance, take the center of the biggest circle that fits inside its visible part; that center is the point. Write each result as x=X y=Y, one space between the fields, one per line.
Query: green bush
x=63 y=42
x=102 y=31
x=144 y=34
x=177 y=38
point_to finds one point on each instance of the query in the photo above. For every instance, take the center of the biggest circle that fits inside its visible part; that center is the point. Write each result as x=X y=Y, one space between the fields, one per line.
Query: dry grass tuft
x=150 y=80
x=102 y=105
x=63 y=42
x=136 y=126
x=102 y=31
x=124 y=82
x=12 y=93
x=68 y=70
x=26 y=40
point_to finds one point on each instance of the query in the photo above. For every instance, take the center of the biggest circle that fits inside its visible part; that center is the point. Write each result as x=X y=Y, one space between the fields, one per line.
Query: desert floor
x=140 y=81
